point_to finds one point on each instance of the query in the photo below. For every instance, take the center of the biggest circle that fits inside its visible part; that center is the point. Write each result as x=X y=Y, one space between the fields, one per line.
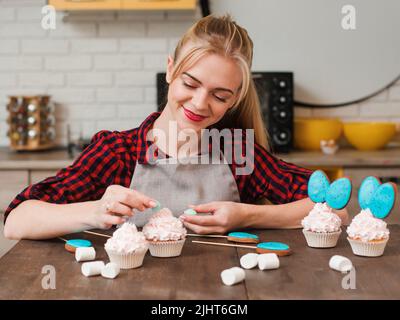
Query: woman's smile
x=193 y=116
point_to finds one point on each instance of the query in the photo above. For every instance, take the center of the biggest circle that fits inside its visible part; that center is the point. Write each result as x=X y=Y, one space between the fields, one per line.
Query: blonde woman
x=122 y=174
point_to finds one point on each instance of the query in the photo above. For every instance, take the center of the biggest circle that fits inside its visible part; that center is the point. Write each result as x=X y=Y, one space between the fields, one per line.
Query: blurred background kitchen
x=327 y=75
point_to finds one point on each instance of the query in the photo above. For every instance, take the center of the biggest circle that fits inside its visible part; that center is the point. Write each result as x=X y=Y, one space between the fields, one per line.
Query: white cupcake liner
x=368 y=249
x=166 y=249
x=322 y=239
x=128 y=260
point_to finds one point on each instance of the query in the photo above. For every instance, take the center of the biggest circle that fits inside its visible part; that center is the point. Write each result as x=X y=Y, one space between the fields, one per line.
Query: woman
x=210 y=86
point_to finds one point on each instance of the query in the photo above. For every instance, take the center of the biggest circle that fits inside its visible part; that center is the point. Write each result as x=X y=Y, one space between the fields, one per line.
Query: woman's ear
x=170 y=68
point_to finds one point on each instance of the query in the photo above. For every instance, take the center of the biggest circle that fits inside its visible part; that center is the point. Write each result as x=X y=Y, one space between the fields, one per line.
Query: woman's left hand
x=223 y=216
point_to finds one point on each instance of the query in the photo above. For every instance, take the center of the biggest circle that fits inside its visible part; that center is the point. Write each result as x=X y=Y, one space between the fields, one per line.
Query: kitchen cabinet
x=123 y=4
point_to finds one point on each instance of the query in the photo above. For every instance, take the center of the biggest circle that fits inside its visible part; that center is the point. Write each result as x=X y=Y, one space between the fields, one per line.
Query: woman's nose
x=200 y=100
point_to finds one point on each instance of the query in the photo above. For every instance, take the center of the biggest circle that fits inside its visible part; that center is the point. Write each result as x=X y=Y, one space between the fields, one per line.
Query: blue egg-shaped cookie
x=243 y=237
x=339 y=193
x=383 y=200
x=318 y=185
x=367 y=188
x=276 y=246
x=77 y=243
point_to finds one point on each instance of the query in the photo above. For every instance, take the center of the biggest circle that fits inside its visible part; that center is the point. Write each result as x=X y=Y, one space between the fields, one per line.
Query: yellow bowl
x=369 y=135
x=309 y=132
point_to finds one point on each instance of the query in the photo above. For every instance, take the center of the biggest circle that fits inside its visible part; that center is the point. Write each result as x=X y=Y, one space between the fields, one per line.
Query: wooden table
x=196 y=273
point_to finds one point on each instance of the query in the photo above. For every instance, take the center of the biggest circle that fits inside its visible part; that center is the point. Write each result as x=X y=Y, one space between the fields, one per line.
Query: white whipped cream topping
x=321 y=219
x=163 y=226
x=127 y=239
x=366 y=227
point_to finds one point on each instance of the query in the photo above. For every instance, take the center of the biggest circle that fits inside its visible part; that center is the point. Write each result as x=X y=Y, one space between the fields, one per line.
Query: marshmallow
x=340 y=263
x=249 y=261
x=232 y=276
x=110 y=270
x=92 y=268
x=85 y=254
x=268 y=261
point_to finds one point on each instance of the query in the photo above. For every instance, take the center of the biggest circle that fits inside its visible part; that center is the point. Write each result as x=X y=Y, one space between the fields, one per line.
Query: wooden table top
x=196 y=273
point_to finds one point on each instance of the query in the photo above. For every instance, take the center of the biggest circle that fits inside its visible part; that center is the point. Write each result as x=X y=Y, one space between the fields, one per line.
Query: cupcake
x=367 y=235
x=165 y=234
x=321 y=227
x=127 y=247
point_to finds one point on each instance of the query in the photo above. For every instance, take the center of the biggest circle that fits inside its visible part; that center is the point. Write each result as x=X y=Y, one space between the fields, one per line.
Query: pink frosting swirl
x=366 y=227
x=127 y=240
x=321 y=219
x=163 y=226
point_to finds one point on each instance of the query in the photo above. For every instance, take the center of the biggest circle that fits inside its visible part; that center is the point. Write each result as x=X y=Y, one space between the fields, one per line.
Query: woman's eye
x=188 y=85
x=220 y=99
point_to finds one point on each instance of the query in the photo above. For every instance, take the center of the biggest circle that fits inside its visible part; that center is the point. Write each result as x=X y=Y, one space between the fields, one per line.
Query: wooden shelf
x=77 y=5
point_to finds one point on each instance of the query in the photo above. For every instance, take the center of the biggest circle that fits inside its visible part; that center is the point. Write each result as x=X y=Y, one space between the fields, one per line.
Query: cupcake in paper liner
x=165 y=233
x=367 y=235
x=321 y=227
x=127 y=247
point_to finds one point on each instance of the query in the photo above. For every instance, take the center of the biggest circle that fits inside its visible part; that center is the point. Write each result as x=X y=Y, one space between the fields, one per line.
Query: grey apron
x=176 y=185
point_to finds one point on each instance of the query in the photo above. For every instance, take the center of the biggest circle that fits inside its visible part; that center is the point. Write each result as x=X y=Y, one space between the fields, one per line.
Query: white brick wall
x=100 y=67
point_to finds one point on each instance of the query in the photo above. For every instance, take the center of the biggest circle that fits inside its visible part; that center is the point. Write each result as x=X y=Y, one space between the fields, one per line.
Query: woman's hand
x=117 y=205
x=223 y=216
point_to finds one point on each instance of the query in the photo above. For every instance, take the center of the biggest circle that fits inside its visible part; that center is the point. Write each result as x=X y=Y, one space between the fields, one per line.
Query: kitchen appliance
x=275 y=91
x=31 y=122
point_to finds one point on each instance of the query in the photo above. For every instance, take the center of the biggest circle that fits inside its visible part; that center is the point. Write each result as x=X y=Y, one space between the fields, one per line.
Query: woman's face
x=201 y=95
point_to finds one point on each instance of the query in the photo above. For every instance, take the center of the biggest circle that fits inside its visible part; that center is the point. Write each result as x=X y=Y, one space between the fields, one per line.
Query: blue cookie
x=72 y=244
x=318 y=186
x=339 y=193
x=243 y=237
x=281 y=249
x=383 y=200
x=368 y=187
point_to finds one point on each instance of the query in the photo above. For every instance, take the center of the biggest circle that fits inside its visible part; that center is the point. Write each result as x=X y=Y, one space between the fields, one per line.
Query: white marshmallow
x=232 y=276
x=92 y=268
x=85 y=254
x=268 y=261
x=340 y=263
x=249 y=261
x=111 y=270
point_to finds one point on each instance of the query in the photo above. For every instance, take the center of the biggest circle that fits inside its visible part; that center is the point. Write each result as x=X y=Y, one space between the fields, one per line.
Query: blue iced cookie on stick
x=243 y=237
x=281 y=249
x=383 y=200
x=367 y=189
x=71 y=245
x=318 y=186
x=339 y=193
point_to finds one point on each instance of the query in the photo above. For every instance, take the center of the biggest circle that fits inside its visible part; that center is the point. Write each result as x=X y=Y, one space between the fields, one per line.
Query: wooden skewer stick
x=206 y=235
x=98 y=234
x=224 y=244
x=65 y=240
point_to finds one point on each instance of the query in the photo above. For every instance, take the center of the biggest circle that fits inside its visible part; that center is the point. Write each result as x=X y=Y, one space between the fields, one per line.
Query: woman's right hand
x=117 y=204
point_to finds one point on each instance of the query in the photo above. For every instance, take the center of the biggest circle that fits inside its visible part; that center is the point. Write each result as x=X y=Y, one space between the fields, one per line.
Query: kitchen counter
x=195 y=275
x=57 y=159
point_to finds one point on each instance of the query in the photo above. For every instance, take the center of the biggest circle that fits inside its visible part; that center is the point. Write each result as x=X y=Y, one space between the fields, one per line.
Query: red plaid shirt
x=112 y=156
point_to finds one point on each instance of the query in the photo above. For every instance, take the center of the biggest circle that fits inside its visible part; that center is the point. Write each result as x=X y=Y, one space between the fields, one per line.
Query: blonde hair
x=221 y=35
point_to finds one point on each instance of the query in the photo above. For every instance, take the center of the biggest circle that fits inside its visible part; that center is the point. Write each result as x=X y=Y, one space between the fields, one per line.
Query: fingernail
x=152 y=203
